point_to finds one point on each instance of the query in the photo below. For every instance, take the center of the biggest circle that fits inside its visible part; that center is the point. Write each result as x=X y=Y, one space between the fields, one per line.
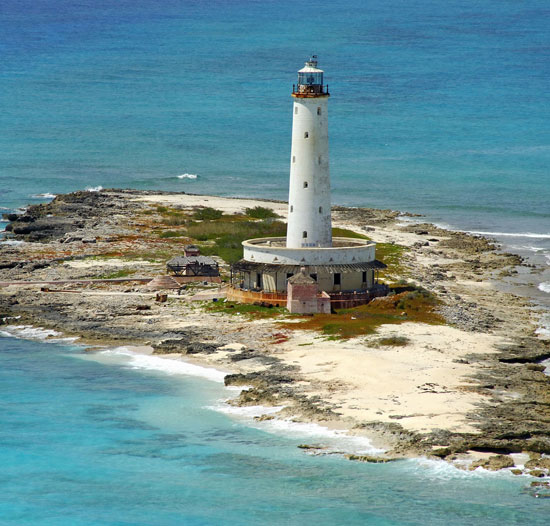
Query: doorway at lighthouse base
x=346 y=285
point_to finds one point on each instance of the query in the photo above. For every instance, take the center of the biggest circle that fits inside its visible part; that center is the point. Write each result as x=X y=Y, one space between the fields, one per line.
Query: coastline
x=458 y=390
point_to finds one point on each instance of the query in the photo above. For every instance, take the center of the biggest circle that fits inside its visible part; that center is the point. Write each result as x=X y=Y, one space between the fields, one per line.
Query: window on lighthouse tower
x=306 y=135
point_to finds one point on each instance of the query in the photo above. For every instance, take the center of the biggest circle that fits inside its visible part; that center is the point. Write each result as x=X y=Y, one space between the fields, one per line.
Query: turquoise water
x=440 y=108
x=437 y=107
x=89 y=439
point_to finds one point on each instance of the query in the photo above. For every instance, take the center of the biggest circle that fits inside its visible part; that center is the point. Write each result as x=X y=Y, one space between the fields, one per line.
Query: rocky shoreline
x=79 y=239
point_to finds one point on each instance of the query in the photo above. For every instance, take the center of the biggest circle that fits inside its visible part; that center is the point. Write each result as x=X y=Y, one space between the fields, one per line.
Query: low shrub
x=260 y=212
x=207 y=213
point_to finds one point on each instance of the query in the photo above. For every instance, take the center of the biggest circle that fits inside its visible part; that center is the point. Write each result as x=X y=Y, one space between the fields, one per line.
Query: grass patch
x=171 y=233
x=176 y=219
x=225 y=238
x=254 y=312
x=416 y=306
x=391 y=255
x=344 y=232
x=123 y=273
x=153 y=256
x=170 y=216
x=394 y=341
x=260 y=212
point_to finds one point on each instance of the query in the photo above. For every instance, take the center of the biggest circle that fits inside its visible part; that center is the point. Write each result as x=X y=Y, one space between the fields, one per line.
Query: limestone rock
x=494 y=463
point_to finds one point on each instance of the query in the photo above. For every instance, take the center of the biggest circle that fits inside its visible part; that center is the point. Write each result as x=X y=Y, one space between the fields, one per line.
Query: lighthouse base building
x=347 y=272
x=309 y=270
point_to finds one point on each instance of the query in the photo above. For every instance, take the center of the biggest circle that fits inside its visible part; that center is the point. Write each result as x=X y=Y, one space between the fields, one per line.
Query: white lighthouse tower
x=309 y=222
x=309 y=270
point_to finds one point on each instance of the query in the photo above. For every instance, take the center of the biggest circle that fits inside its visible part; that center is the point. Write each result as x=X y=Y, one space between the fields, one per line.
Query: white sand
x=108 y=262
x=228 y=205
x=419 y=385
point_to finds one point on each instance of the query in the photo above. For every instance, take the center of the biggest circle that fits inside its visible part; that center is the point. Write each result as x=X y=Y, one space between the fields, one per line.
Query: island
x=446 y=365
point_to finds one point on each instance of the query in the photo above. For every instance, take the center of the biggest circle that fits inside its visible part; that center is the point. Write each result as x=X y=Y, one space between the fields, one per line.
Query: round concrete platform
x=344 y=251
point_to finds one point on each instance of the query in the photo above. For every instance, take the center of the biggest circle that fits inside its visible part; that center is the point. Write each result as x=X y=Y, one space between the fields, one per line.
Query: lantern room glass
x=310 y=79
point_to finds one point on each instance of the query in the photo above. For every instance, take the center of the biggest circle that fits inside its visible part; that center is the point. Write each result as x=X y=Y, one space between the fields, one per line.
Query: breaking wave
x=512 y=234
x=46 y=195
x=165 y=365
x=187 y=176
x=94 y=188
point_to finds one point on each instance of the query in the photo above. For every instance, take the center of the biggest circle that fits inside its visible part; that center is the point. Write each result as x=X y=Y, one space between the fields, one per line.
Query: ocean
x=110 y=438
x=437 y=108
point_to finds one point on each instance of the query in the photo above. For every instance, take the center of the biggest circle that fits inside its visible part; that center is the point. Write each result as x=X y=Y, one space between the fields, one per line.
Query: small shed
x=193 y=266
x=191 y=250
x=303 y=296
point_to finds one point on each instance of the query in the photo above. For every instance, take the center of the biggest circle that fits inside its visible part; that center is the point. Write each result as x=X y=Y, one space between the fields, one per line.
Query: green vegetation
x=391 y=255
x=415 y=298
x=344 y=232
x=260 y=212
x=176 y=219
x=222 y=235
x=207 y=214
x=160 y=255
x=224 y=238
x=252 y=311
x=388 y=253
x=171 y=216
x=394 y=341
x=171 y=233
x=122 y=273
x=417 y=305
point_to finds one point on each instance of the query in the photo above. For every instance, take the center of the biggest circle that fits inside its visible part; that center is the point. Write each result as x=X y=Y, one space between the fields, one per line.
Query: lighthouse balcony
x=310 y=90
x=344 y=251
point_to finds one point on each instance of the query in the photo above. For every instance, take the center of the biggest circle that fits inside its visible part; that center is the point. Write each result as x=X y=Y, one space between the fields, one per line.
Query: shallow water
x=439 y=108
x=90 y=439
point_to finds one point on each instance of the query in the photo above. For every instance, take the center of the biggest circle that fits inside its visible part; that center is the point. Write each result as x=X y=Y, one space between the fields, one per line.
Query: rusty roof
x=248 y=266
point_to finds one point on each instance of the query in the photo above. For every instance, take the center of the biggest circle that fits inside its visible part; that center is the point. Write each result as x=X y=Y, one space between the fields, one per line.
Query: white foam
x=250 y=411
x=29 y=332
x=166 y=365
x=511 y=234
x=545 y=286
x=442 y=470
x=331 y=440
x=94 y=188
x=46 y=195
x=529 y=248
x=187 y=176
x=13 y=242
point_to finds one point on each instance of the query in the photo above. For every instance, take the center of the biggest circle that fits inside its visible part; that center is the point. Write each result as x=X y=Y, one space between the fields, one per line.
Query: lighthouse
x=309 y=220
x=308 y=270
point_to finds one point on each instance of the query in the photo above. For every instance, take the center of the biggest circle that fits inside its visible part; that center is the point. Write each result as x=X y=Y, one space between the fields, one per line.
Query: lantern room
x=310 y=80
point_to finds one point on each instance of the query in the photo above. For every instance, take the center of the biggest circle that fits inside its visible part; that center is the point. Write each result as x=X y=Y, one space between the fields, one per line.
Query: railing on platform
x=338 y=300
